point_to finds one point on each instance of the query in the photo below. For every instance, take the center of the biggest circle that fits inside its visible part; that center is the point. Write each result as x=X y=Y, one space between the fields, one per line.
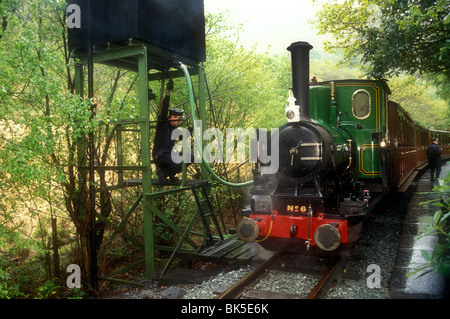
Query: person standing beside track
x=434 y=159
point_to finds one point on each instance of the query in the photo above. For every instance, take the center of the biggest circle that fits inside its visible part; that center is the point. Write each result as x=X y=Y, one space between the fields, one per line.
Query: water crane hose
x=199 y=145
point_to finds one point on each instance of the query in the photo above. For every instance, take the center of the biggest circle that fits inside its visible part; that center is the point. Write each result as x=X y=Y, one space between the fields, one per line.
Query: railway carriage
x=343 y=147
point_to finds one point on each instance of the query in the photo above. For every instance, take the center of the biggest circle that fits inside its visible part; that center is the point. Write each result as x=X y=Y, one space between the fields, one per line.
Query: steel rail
x=325 y=279
x=236 y=290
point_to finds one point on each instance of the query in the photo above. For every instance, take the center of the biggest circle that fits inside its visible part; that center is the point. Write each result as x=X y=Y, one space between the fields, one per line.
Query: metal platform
x=150 y=63
x=157 y=182
x=225 y=252
x=230 y=250
x=409 y=257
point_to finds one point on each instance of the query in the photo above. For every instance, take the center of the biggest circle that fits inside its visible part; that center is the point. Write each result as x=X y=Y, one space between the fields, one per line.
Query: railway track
x=245 y=288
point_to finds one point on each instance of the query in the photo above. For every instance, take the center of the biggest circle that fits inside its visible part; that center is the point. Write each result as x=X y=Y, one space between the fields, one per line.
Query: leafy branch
x=439 y=260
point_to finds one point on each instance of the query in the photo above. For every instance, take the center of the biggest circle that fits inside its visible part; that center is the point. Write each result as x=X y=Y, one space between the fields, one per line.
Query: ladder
x=206 y=212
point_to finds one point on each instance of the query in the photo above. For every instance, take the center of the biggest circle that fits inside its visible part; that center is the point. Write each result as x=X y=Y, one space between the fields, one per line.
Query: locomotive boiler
x=316 y=199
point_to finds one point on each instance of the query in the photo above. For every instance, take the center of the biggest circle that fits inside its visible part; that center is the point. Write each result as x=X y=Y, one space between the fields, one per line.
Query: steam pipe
x=199 y=144
x=300 y=76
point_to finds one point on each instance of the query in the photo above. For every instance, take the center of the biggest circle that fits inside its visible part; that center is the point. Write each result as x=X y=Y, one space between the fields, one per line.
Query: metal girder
x=151 y=64
x=126 y=57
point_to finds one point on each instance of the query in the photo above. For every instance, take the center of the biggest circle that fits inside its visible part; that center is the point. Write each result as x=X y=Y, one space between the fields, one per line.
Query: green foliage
x=389 y=38
x=8 y=289
x=14 y=252
x=37 y=113
x=420 y=100
x=48 y=290
x=439 y=260
x=390 y=35
x=42 y=120
x=242 y=84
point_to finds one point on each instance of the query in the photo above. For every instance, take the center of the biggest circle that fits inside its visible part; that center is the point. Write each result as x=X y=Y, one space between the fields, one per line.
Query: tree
x=391 y=36
x=419 y=99
x=42 y=120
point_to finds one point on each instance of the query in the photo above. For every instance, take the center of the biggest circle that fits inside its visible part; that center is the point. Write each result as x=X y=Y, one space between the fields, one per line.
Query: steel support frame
x=141 y=53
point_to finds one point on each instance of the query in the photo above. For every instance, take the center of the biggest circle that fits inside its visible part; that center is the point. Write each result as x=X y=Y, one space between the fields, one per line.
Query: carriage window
x=361 y=104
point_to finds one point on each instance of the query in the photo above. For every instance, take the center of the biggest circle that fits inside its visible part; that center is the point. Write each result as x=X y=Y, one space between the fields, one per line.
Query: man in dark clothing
x=168 y=120
x=434 y=159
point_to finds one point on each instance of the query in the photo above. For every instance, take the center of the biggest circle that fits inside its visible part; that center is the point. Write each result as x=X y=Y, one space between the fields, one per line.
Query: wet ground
x=410 y=251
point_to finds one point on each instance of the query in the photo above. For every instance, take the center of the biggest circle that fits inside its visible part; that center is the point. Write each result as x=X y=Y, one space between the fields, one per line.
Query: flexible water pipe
x=199 y=144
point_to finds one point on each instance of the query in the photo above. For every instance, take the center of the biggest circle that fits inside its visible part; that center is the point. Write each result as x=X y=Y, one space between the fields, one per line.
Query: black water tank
x=177 y=26
x=78 y=36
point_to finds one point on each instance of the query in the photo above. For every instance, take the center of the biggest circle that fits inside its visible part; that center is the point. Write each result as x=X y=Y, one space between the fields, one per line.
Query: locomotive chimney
x=300 y=76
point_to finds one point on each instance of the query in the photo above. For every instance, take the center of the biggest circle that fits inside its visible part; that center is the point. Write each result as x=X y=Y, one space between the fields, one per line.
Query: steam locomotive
x=343 y=147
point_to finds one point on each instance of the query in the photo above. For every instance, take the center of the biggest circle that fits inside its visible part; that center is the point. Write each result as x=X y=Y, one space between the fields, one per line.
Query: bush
x=8 y=289
x=439 y=261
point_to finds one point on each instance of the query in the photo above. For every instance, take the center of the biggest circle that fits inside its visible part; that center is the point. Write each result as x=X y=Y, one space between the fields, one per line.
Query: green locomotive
x=338 y=154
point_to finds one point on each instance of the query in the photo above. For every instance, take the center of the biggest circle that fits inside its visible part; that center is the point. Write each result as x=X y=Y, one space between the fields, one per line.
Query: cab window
x=361 y=104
